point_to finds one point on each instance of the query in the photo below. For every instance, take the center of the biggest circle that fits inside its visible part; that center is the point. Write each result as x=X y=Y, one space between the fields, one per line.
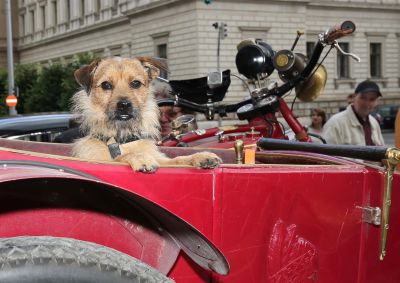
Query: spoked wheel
x=63 y=260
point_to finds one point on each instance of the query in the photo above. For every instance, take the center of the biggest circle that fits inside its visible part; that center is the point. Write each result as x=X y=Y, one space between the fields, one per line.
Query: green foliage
x=43 y=88
x=3 y=92
x=46 y=91
x=26 y=77
x=68 y=85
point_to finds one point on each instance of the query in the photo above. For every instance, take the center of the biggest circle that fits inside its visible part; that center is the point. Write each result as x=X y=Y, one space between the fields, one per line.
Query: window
x=162 y=53
x=22 y=25
x=32 y=20
x=43 y=13
x=160 y=43
x=343 y=62
x=114 y=7
x=98 y=9
x=309 y=48
x=115 y=50
x=68 y=10
x=375 y=59
x=83 y=12
x=54 y=12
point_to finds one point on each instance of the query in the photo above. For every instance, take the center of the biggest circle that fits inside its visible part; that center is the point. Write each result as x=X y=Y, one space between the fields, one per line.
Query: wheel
x=62 y=260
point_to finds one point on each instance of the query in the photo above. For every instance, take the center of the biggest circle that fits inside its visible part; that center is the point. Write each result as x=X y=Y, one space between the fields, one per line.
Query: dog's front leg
x=205 y=160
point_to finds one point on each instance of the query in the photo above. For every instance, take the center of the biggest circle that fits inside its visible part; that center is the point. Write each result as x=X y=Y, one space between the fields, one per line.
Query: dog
x=121 y=116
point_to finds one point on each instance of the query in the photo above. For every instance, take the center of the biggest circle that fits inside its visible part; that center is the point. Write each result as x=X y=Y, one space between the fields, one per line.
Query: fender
x=38 y=198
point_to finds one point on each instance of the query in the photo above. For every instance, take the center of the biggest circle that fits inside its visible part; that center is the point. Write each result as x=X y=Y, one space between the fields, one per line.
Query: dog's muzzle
x=125 y=110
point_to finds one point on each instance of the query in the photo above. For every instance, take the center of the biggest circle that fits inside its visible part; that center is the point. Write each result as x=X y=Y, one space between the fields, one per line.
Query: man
x=355 y=125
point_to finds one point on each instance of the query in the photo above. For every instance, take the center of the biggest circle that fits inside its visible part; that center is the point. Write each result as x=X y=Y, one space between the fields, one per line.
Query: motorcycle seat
x=197 y=91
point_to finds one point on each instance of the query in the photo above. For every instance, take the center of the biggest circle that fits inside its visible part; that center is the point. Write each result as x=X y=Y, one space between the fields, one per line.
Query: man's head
x=167 y=115
x=366 y=98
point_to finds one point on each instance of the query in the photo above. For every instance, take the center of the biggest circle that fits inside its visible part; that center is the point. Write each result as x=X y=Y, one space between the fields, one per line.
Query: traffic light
x=223 y=30
x=207 y=2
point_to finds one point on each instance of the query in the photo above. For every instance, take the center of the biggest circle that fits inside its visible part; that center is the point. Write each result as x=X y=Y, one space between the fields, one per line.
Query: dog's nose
x=124 y=105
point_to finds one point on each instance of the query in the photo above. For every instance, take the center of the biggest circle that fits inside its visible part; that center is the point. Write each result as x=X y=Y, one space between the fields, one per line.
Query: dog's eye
x=135 y=84
x=106 y=85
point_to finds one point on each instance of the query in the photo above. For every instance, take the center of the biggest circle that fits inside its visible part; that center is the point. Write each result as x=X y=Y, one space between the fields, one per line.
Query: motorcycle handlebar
x=333 y=33
x=328 y=37
x=231 y=108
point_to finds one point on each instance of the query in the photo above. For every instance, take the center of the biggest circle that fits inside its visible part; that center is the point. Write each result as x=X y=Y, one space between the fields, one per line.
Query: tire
x=62 y=260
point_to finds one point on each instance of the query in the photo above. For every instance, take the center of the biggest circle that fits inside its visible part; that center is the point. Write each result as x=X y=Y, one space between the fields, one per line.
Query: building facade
x=183 y=32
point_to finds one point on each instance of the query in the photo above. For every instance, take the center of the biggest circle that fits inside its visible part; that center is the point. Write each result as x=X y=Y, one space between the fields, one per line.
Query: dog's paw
x=145 y=165
x=142 y=164
x=205 y=160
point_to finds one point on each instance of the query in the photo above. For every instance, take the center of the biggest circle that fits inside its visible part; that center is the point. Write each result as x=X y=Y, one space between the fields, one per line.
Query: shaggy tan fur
x=116 y=101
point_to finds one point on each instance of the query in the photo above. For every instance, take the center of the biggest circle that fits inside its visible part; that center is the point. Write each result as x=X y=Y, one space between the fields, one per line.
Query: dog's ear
x=84 y=75
x=153 y=65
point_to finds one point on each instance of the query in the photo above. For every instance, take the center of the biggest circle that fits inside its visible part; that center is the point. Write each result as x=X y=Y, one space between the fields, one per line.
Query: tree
x=54 y=86
x=46 y=91
x=3 y=92
x=69 y=85
x=26 y=77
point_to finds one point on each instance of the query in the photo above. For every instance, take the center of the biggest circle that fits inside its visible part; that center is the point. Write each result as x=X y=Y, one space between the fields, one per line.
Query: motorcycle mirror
x=255 y=59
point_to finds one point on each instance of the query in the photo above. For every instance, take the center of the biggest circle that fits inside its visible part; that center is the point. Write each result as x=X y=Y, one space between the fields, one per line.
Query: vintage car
x=292 y=216
x=386 y=115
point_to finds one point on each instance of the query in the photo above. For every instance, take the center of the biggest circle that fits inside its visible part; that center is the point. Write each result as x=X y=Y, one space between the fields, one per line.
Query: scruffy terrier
x=121 y=116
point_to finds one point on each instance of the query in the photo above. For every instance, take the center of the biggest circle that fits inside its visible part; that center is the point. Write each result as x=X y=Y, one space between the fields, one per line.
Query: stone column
x=50 y=18
x=106 y=12
x=75 y=14
x=91 y=6
x=62 y=12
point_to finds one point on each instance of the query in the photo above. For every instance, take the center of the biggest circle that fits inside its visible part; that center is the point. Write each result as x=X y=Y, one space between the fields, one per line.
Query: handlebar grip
x=338 y=31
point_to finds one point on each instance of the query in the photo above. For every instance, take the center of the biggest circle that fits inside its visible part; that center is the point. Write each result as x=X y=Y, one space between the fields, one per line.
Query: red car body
x=291 y=217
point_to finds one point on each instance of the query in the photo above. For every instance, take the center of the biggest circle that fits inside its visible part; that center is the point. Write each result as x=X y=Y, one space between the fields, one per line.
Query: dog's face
x=118 y=96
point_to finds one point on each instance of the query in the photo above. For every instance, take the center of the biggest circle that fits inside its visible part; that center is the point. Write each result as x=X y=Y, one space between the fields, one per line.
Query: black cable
x=318 y=137
x=320 y=63
x=294 y=100
x=245 y=83
x=271 y=122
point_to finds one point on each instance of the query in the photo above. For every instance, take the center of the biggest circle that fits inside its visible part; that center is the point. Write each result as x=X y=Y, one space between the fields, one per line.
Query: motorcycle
x=256 y=60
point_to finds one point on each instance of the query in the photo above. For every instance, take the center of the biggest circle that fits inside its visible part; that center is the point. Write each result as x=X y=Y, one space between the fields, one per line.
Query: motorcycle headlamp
x=254 y=58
